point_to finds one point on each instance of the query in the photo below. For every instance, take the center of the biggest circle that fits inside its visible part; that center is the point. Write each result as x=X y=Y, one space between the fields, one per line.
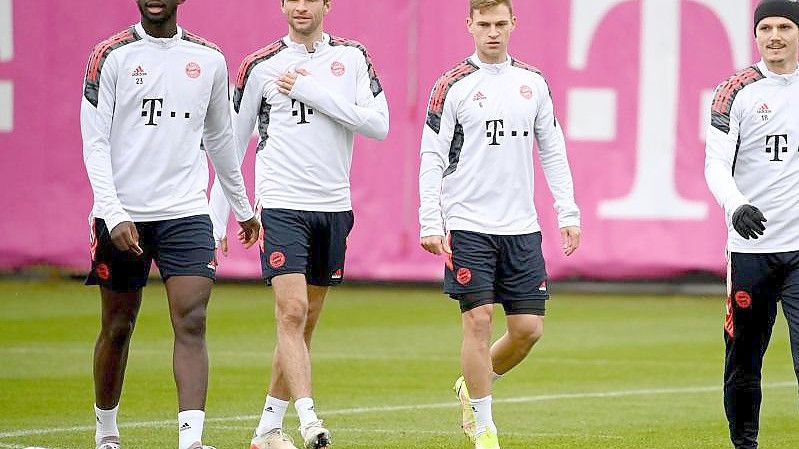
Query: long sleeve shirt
x=752 y=155
x=149 y=108
x=476 y=170
x=305 y=144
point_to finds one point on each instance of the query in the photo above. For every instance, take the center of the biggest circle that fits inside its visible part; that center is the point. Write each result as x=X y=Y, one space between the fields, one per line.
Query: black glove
x=748 y=221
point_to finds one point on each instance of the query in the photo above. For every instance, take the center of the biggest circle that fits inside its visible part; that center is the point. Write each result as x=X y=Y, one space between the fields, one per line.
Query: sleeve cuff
x=114 y=219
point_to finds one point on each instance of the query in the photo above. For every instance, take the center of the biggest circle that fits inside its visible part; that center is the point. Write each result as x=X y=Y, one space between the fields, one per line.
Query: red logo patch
x=743 y=299
x=103 y=272
x=193 y=70
x=526 y=92
x=337 y=68
x=464 y=276
x=277 y=259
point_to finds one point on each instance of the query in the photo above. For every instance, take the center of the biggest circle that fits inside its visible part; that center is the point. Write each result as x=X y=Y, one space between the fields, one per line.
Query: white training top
x=148 y=106
x=752 y=155
x=476 y=170
x=304 y=150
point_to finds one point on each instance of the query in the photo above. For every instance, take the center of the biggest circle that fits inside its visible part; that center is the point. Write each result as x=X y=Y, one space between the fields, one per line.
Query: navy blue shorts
x=506 y=269
x=179 y=247
x=308 y=242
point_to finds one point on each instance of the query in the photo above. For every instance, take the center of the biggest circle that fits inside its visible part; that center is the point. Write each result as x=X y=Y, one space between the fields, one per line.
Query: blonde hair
x=476 y=5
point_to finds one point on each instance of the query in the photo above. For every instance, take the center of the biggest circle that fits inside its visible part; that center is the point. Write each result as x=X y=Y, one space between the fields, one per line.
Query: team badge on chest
x=337 y=68
x=193 y=70
x=526 y=92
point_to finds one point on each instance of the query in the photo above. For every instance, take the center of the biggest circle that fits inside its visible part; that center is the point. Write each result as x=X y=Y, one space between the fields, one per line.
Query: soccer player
x=310 y=93
x=752 y=168
x=154 y=96
x=476 y=187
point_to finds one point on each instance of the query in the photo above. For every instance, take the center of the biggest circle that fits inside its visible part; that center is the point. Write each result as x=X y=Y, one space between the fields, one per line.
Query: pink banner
x=631 y=80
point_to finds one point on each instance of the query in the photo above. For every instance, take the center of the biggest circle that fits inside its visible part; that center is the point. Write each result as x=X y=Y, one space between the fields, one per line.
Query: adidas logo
x=764 y=109
x=185 y=426
x=139 y=72
x=270 y=409
x=337 y=275
x=478 y=96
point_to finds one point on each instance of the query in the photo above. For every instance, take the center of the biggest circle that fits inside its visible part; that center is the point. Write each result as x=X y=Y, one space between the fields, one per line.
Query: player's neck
x=165 y=29
x=785 y=67
x=492 y=59
x=306 y=39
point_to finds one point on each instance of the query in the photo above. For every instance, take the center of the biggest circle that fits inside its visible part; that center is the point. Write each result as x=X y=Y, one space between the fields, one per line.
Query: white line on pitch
x=397 y=408
x=450 y=432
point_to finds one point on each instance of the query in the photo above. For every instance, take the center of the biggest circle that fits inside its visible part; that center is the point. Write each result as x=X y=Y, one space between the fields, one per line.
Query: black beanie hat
x=777 y=8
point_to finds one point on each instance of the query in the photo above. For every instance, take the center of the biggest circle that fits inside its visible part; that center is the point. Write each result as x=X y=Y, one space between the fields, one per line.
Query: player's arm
x=220 y=144
x=437 y=136
x=720 y=150
x=555 y=163
x=246 y=103
x=367 y=116
x=96 y=118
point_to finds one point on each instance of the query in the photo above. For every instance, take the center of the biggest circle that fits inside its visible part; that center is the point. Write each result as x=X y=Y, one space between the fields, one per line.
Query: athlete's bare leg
x=316 y=298
x=523 y=331
x=188 y=301
x=119 y=312
x=475 y=353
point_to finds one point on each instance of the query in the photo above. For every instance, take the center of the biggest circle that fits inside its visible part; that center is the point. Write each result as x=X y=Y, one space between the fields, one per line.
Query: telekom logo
x=6 y=55
x=653 y=194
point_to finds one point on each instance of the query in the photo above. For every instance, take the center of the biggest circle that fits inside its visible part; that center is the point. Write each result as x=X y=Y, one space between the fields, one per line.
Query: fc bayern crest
x=526 y=92
x=193 y=70
x=337 y=68
x=464 y=276
x=277 y=259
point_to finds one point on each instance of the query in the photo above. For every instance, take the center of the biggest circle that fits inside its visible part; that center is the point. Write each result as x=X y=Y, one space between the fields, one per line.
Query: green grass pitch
x=611 y=372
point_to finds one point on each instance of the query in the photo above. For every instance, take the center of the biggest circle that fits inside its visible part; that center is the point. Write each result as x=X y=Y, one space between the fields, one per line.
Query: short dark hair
x=475 y=5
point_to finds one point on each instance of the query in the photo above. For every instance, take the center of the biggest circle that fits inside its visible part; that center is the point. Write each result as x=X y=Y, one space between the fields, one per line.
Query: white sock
x=482 y=415
x=106 y=423
x=306 y=411
x=495 y=377
x=190 y=427
x=272 y=417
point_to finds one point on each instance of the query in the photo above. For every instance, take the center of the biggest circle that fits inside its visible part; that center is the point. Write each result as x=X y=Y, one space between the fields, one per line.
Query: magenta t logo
x=653 y=195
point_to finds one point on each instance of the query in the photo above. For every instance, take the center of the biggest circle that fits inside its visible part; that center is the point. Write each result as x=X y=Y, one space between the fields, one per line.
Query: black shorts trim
x=518 y=306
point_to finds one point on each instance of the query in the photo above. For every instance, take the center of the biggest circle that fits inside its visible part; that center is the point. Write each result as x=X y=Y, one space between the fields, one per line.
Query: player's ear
x=326 y=7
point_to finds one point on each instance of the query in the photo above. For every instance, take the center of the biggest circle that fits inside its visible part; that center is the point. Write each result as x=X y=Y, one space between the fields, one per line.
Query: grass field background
x=612 y=371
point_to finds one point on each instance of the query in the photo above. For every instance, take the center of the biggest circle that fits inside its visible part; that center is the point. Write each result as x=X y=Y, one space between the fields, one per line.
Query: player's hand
x=221 y=245
x=249 y=232
x=286 y=82
x=125 y=237
x=570 y=239
x=436 y=244
x=748 y=221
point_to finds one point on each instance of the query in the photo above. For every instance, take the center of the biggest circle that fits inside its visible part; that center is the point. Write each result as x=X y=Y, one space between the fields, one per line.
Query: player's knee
x=292 y=314
x=527 y=332
x=477 y=321
x=744 y=381
x=118 y=331
x=191 y=323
